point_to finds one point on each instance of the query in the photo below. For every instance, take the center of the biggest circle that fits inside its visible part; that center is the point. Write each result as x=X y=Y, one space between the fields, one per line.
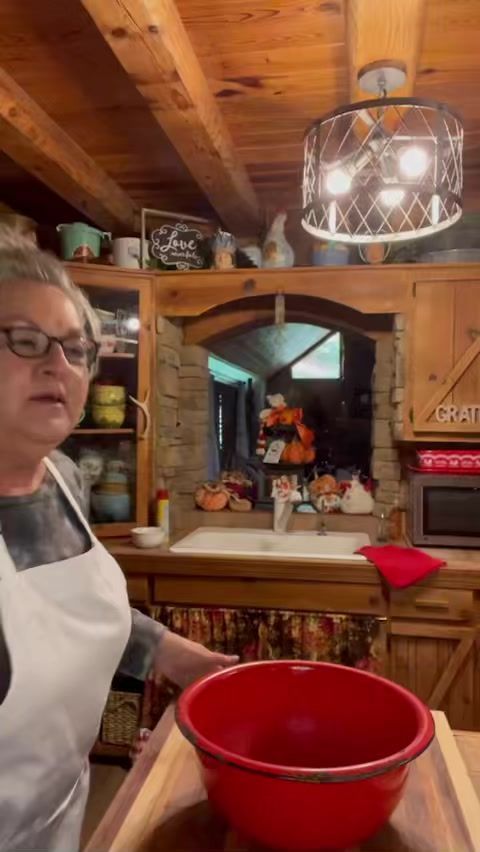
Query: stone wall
x=399 y=366
x=387 y=388
x=181 y=449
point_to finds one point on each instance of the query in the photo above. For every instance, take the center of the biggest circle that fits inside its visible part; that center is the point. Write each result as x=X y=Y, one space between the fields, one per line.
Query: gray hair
x=22 y=260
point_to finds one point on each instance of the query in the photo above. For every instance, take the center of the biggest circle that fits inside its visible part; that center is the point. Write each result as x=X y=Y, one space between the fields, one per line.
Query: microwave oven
x=444 y=510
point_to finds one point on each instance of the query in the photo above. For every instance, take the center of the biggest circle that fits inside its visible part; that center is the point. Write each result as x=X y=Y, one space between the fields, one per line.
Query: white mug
x=126 y=252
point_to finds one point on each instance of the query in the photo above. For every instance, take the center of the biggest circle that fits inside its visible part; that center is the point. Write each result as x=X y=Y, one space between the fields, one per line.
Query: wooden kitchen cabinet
x=138 y=589
x=242 y=592
x=433 y=649
x=439 y=663
x=125 y=297
x=426 y=636
x=443 y=370
x=432 y=604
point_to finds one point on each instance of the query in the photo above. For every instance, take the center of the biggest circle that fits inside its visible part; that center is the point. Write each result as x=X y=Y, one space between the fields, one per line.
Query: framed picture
x=175 y=241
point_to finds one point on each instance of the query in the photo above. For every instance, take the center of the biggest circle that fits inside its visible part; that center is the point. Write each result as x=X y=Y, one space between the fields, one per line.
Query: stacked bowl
x=109 y=406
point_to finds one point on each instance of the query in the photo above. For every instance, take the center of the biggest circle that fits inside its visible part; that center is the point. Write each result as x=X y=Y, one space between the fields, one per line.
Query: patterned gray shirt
x=41 y=528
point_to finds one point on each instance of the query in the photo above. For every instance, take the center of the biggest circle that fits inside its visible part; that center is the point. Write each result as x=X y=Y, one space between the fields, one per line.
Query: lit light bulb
x=332 y=217
x=391 y=197
x=338 y=181
x=133 y=323
x=413 y=161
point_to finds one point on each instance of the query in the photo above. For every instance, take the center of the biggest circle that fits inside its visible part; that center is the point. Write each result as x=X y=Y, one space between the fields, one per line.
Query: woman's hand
x=183 y=661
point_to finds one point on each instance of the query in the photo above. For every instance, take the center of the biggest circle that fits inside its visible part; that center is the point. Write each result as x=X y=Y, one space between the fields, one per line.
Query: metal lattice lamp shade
x=382 y=171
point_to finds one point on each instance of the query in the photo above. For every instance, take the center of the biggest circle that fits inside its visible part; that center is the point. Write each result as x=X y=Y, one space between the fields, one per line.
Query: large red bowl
x=300 y=755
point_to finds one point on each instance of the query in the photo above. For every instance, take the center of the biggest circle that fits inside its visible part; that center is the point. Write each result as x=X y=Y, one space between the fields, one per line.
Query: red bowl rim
x=358 y=772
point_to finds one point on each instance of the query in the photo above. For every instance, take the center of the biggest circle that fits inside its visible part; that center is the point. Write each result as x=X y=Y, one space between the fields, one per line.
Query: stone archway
x=244 y=314
x=182 y=386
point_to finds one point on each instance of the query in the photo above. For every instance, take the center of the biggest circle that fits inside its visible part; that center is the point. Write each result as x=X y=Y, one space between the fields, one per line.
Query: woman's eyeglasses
x=32 y=343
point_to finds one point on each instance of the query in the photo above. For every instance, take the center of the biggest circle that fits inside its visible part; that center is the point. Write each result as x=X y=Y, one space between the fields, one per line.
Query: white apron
x=66 y=626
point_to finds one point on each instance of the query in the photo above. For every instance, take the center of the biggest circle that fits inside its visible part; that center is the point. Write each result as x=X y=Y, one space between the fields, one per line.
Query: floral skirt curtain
x=257 y=634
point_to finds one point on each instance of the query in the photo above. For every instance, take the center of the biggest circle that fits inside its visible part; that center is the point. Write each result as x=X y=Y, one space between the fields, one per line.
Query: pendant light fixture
x=383 y=170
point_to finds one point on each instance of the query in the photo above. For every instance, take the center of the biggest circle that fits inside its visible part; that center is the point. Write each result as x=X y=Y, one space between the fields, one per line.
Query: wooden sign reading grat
x=457 y=414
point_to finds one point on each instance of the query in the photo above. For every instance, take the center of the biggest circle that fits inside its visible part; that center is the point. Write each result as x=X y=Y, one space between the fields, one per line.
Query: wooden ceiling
x=265 y=351
x=199 y=106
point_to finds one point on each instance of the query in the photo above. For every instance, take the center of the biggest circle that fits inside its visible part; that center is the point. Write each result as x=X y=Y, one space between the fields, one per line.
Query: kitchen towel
x=401 y=566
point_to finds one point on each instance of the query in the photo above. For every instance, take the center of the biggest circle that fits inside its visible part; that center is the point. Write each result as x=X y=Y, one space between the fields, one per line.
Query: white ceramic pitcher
x=126 y=252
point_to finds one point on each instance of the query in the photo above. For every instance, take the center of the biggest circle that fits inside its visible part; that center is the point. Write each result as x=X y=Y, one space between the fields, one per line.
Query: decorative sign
x=457 y=414
x=177 y=245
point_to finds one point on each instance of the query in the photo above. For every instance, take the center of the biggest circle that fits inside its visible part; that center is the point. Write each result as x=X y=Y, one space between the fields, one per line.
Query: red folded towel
x=401 y=566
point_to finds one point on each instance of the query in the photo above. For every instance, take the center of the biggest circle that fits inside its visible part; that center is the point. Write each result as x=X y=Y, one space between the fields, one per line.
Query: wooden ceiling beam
x=212 y=328
x=390 y=30
x=33 y=140
x=151 y=43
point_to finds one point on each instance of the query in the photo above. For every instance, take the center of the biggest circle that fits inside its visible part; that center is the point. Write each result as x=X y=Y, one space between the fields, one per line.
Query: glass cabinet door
x=111 y=443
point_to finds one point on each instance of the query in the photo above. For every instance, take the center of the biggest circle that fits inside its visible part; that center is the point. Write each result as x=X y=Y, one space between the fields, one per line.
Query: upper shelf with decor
x=367 y=289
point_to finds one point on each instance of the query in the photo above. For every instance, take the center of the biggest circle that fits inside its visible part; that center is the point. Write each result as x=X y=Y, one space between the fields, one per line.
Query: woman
x=65 y=621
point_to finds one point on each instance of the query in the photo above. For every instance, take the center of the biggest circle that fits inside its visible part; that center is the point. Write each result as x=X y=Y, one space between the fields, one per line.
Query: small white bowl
x=148 y=536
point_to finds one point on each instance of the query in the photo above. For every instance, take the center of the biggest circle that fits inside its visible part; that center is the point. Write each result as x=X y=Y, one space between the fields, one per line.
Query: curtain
x=262 y=634
x=213 y=465
x=241 y=435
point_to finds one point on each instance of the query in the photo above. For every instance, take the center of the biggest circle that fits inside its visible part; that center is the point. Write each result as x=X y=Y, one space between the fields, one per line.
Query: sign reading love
x=178 y=246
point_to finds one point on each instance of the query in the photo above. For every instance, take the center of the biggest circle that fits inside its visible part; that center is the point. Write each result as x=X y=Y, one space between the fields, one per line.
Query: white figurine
x=357 y=500
x=285 y=494
x=277 y=252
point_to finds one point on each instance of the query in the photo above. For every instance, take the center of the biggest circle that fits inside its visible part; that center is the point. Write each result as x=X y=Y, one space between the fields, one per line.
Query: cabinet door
x=123 y=301
x=439 y=663
x=444 y=371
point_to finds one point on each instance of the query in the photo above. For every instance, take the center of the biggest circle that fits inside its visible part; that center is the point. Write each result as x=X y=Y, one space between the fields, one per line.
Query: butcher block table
x=162 y=805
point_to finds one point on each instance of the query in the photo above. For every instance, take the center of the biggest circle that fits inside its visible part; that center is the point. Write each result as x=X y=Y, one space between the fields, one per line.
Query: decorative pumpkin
x=309 y=455
x=305 y=434
x=211 y=497
x=294 y=453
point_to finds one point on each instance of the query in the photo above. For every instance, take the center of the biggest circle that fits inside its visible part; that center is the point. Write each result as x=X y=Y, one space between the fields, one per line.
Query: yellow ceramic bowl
x=109 y=416
x=108 y=394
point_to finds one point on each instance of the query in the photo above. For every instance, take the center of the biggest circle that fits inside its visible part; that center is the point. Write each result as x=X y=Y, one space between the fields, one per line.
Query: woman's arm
x=145 y=636
x=152 y=647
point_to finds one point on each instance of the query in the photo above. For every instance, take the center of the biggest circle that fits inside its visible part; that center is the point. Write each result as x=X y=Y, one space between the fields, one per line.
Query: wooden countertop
x=462 y=570
x=166 y=780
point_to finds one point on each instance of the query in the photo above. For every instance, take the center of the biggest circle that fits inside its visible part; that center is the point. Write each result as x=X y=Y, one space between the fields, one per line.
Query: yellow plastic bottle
x=163 y=511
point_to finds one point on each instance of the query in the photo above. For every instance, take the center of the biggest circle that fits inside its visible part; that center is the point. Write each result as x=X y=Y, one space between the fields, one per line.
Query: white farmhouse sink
x=268 y=544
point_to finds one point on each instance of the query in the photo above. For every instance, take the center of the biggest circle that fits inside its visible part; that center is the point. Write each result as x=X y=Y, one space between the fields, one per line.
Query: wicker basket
x=121 y=718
